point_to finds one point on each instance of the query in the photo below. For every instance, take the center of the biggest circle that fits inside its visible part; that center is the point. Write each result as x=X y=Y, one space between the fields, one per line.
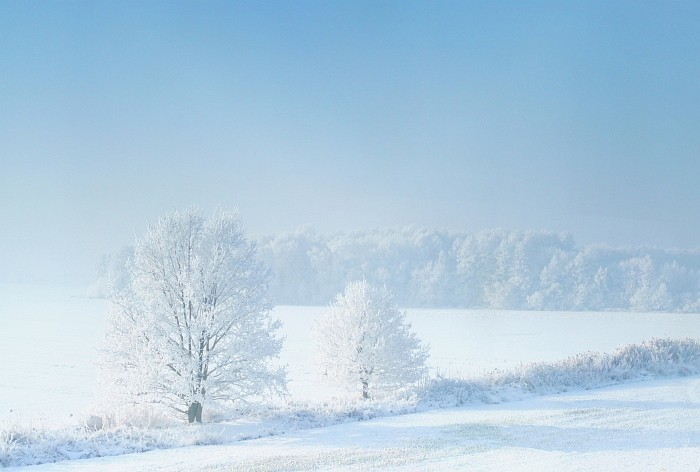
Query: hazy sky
x=570 y=116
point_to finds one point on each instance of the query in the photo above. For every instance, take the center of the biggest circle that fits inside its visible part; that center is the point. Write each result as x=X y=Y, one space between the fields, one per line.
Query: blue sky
x=569 y=116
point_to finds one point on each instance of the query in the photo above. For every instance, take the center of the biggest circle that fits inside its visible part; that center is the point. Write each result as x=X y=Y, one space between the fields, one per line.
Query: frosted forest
x=528 y=270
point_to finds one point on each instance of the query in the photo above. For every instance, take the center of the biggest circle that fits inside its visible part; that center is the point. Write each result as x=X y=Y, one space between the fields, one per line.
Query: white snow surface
x=48 y=382
x=646 y=426
x=51 y=335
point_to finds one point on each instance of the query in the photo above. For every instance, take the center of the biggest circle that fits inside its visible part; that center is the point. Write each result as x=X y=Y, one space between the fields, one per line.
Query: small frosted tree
x=365 y=343
x=192 y=326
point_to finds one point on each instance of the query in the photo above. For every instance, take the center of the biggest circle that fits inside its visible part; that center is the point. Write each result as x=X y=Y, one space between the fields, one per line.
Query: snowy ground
x=49 y=345
x=647 y=426
x=51 y=335
x=48 y=377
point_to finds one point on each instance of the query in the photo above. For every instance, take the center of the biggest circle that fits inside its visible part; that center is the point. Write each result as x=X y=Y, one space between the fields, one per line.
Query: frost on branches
x=364 y=342
x=192 y=327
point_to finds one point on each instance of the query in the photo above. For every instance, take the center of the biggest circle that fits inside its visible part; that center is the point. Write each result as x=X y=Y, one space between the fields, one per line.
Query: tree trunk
x=365 y=389
x=194 y=412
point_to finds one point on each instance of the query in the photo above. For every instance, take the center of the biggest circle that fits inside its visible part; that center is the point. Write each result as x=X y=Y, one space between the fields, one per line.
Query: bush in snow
x=364 y=341
x=650 y=359
x=192 y=326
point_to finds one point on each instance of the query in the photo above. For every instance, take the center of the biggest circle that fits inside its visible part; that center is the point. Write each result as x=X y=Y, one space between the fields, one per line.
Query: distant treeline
x=536 y=270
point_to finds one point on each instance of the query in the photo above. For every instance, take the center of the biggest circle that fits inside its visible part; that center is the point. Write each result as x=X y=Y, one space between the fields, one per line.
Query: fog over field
x=577 y=119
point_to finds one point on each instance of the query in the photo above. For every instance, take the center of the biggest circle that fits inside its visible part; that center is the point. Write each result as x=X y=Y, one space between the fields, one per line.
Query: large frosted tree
x=192 y=326
x=364 y=343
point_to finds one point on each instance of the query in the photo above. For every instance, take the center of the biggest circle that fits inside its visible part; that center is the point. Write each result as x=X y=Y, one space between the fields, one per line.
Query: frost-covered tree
x=365 y=342
x=192 y=327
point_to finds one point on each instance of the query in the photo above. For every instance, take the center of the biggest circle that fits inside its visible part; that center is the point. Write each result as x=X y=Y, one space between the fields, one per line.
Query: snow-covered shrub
x=364 y=342
x=30 y=445
x=655 y=358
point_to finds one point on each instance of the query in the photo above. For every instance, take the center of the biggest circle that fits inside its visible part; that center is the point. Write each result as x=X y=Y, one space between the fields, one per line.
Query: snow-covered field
x=49 y=346
x=648 y=426
x=48 y=377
